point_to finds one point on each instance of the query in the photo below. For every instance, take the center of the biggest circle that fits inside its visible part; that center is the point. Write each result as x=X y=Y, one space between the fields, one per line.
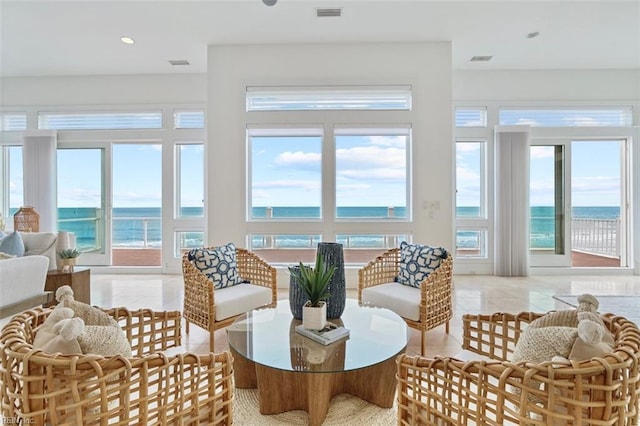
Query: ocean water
x=141 y=226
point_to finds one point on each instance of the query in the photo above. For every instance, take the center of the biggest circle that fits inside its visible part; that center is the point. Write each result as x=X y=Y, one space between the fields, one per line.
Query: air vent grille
x=481 y=58
x=179 y=62
x=328 y=13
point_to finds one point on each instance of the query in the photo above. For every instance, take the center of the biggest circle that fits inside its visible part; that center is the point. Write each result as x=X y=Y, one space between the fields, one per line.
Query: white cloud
x=467 y=147
x=298 y=159
x=539 y=152
x=466 y=174
x=286 y=184
x=387 y=141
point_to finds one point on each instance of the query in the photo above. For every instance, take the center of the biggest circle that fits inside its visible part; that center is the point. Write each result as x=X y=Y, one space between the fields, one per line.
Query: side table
x=79 y=280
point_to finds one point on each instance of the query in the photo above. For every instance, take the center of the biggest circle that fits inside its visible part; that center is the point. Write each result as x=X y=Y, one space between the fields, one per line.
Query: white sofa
x=41 y=243
x=22 y=281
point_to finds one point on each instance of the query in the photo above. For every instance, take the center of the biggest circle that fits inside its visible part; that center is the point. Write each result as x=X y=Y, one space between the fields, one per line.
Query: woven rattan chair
x=203 y=309
x=448 y=391
x=150 y=388
x=433 y=298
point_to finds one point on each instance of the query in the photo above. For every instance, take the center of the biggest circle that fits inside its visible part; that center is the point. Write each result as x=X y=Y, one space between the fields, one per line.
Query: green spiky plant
x=68 y=253
x=314 y=282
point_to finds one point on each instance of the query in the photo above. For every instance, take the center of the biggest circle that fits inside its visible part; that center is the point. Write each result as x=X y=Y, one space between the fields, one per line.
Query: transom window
x=567 y=117
x=100 y=120
x=328 y=98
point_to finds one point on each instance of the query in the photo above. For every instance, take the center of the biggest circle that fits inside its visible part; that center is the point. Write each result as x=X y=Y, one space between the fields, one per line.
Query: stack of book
x=329 y=334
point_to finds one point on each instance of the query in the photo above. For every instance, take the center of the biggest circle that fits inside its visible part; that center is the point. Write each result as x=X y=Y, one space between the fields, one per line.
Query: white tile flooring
x=472 y=294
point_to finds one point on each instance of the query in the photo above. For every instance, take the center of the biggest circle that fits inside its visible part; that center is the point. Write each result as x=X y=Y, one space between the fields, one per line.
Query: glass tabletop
x=268 y=337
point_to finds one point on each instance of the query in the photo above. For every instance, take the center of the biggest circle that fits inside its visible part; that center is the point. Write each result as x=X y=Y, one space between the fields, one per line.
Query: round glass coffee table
x=292 y=372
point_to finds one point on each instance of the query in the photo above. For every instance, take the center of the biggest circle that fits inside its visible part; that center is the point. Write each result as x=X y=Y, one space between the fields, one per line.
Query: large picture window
x=285 y=173
x=345 y=178
x=371 y=173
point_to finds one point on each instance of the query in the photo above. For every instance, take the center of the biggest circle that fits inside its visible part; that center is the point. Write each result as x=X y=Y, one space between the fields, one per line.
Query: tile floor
x=472 y=294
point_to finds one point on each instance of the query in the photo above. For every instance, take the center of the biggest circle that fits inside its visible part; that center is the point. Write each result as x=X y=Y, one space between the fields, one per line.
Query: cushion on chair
x=417 y=261
x=401 y=299
x=219 y=264
x=235 y=300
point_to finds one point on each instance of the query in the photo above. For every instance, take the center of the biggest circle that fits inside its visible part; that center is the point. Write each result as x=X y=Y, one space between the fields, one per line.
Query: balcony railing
x=596 y=236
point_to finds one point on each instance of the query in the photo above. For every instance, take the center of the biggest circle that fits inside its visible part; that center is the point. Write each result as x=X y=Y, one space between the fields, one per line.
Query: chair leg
x=422 y=339
x=186 y=326
x=211 y=334
x=446 y=327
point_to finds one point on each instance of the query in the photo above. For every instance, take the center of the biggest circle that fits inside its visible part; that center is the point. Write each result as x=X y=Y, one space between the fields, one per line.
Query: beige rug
x=345 y=410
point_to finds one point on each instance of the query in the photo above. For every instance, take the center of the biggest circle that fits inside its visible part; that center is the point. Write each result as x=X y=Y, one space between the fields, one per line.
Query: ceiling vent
x=179 y=62
x=481 y=58
x=328 y=13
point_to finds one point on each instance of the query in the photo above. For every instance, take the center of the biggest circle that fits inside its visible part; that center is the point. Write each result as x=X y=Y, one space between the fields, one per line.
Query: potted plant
x=314 y=283
x=68 y=258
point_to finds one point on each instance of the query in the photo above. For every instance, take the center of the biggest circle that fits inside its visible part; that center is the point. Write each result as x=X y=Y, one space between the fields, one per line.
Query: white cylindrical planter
x=62 y=243
x=314 y=318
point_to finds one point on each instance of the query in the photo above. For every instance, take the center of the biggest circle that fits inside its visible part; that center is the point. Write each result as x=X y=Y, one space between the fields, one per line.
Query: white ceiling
x=50 y=37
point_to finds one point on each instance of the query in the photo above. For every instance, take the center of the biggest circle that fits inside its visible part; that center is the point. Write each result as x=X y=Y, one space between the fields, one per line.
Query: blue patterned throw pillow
x=417 y=261
x=219 y=264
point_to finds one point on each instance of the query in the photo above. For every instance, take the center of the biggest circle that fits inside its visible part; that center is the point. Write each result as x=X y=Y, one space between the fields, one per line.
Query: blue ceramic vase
x=333 y=255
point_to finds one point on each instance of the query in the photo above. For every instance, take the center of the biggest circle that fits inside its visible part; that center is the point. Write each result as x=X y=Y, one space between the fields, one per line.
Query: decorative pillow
x=90 y=315
x=577 y=335
x=49 y=341
x=417 y=262
x=219 y=264
x=12 y=244
x=94 y=339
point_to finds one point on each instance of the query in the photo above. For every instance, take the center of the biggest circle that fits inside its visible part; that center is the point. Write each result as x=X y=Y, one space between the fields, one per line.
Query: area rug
x=624 y=306
x=345 y=410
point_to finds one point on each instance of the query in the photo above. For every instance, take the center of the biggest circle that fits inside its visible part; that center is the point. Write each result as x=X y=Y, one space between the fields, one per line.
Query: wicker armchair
x=203 y=309
x=448 y=391
x=150 y=388
x=432 y=299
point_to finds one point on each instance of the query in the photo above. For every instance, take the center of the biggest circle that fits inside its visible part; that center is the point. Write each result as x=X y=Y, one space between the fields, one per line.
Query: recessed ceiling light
x=481 y=58
x=533 y=34
x=127 y=40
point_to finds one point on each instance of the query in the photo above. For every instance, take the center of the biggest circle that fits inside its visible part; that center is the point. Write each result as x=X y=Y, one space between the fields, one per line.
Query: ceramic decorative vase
x=297 y=298
x=68 y=264
x=333 y=254
x=314 y=318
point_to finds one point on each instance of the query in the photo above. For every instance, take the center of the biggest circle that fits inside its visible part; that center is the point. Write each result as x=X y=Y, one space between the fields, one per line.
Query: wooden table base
x=281 y=390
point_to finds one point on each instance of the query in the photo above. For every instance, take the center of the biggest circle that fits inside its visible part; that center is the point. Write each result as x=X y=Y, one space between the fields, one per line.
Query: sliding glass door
x=578 y=215
x=81 y=201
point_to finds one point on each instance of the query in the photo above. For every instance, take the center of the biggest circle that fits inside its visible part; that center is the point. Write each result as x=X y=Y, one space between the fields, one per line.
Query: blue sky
x=370 y=172
x=595 y=174
x=286 y=171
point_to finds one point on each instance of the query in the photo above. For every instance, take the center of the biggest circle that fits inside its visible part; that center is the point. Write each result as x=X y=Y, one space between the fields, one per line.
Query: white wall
x=547 y=85
x=103 y=90
x=425 y=66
